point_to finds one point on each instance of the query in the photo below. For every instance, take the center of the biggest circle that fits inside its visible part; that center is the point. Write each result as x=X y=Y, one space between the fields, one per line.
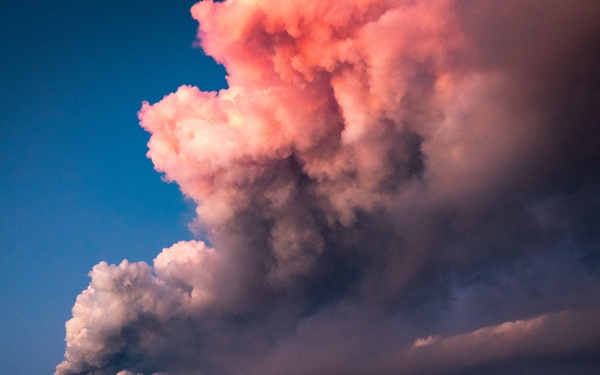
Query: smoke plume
x=386 y=186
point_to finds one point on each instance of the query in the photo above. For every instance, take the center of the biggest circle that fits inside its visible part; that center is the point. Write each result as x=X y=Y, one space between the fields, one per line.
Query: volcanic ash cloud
x=387 y=187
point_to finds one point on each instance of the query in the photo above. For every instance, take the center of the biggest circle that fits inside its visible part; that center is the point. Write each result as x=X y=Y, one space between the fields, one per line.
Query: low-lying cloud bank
x=388 y=186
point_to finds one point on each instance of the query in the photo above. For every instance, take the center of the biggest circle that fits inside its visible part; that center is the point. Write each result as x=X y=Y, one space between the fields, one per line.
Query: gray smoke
x=388 y=186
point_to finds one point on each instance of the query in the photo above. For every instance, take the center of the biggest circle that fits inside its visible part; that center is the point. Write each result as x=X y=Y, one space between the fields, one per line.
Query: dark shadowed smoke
x=390 y=187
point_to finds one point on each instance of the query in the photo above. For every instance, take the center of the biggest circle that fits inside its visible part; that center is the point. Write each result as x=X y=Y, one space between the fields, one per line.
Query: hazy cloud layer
x=388 y=186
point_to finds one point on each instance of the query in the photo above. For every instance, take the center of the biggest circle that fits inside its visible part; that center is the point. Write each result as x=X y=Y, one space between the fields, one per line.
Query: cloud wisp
x=388 y=186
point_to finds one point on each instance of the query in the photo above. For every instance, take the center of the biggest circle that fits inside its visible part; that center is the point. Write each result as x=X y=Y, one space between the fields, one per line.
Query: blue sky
x=75 y=184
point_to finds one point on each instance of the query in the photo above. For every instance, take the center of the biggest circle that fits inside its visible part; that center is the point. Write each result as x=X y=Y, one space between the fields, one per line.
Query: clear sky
x=75 y=184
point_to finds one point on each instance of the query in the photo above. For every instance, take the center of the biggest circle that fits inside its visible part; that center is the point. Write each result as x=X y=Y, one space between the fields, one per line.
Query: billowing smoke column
x=388 y=187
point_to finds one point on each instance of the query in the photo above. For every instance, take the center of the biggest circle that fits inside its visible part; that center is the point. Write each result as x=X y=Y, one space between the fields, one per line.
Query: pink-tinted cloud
x=373 y=168
x=492 y=349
